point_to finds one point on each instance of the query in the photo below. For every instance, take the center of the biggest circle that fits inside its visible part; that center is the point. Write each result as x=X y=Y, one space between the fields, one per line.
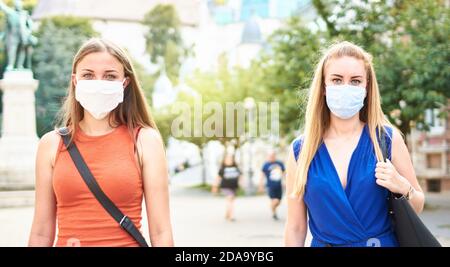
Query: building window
x=434 y=161
x=437 y=124
x=434 y=185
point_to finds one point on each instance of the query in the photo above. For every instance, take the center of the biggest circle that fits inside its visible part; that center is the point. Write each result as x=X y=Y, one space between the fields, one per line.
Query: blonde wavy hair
x=317 y=116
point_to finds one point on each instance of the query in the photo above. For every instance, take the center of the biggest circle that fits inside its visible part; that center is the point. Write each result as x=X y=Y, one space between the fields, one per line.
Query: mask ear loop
x=76 y=81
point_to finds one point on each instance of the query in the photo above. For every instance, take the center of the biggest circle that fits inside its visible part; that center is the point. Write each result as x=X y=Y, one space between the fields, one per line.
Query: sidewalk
x=436 y=216
x=198 y=220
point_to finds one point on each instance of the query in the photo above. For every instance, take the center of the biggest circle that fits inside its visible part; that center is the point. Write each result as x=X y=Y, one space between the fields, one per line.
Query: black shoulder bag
x=124 y=222
x=409 y=229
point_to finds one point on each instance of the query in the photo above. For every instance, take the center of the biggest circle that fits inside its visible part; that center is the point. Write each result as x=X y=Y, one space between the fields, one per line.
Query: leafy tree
x=163 y=39
x=226 y=89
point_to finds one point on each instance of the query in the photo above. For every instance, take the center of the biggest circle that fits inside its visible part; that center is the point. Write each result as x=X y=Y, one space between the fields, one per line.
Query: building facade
x=430 y=152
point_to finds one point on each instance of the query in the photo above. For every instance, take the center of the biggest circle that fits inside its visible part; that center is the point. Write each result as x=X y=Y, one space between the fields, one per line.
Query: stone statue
x=18 y=36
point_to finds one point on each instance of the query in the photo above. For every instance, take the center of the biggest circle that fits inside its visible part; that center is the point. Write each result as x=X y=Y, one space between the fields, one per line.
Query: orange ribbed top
x=81 y=219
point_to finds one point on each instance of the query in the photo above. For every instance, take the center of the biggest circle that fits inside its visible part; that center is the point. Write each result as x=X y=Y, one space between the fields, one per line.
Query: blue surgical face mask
x=345 y=101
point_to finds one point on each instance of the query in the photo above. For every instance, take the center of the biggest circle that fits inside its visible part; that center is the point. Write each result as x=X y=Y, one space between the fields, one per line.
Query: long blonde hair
x=317 y=116
x=133 y=111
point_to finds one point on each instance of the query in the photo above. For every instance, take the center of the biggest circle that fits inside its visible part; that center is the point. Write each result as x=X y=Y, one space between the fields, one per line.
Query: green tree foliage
x=219 y=88
x=163 y=39
x=280 y=74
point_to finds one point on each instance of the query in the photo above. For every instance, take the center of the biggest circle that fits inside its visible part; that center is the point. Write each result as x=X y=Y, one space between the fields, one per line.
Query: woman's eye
x=87 y=76
x=356 y=82
x=336 y=81
x=111 y=77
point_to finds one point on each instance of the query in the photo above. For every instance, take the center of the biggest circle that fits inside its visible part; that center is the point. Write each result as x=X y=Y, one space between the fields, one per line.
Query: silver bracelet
x=410 y=193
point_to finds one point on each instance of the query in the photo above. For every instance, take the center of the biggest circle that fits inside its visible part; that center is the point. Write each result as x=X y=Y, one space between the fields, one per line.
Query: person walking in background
x=272 y=173
x=228 y=180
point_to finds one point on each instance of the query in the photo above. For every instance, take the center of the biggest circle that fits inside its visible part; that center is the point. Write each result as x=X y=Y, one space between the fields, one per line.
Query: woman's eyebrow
x=87 y=70
x=111 y=71
x=340 y=76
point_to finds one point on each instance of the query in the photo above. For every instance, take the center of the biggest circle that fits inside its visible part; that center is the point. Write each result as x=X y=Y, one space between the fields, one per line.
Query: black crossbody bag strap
x=124 y=222
x=384 y=151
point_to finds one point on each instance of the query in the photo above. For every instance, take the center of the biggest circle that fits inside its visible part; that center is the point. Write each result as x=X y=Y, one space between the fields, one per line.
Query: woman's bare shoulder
x=50 y=139
x=150 y=135
x=48 y=146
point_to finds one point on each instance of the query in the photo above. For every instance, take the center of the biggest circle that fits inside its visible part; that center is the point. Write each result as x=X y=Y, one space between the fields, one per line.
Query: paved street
x=198 y=220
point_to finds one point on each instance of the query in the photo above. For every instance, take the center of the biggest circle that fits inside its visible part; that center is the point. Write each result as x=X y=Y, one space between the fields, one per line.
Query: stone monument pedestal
x=18 y=142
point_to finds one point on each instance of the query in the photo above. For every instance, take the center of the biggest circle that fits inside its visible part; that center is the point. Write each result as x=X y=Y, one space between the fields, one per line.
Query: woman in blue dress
x=337 y=181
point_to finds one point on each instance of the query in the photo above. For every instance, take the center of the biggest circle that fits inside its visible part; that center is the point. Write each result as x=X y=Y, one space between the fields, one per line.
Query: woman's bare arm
x=403 y=164
x=44 y=221
x=156 y=187
x=296 y=223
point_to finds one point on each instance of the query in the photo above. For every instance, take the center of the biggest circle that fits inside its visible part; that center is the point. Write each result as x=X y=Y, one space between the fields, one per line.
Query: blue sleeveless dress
x=356 y=216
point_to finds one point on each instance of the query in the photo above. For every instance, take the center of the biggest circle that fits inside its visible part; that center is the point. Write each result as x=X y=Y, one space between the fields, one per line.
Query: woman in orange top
x=109 y=121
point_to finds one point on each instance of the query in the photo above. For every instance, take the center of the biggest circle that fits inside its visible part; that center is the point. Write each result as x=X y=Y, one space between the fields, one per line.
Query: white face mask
x=345 y=101
x=99 y=97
